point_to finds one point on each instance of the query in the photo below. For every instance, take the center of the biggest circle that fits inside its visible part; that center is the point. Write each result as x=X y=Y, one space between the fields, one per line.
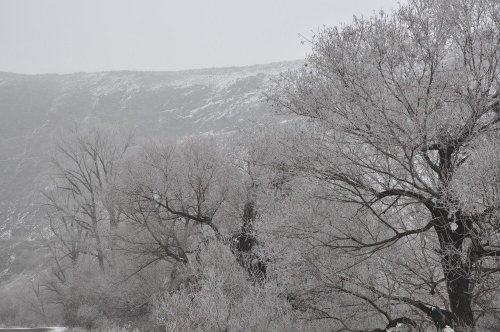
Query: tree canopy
x=403 y=113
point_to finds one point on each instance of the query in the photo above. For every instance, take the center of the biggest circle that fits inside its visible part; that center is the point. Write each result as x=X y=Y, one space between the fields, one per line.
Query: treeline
x=164 y=234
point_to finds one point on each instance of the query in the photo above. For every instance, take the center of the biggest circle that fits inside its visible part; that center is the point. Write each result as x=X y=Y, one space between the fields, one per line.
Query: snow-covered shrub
x=224 y=299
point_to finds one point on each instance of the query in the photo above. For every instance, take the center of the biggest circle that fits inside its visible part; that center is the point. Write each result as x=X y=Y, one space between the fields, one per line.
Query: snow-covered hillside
x=34 y=108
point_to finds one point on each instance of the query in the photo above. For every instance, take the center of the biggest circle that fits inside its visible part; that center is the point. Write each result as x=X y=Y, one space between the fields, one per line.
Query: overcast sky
x=61 y=36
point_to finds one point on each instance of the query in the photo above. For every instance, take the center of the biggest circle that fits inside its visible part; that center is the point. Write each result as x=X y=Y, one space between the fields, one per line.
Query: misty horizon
x=55 y=36
x=201 y=69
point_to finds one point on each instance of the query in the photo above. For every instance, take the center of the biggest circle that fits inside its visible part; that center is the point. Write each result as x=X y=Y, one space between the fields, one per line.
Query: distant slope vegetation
x=34 y=108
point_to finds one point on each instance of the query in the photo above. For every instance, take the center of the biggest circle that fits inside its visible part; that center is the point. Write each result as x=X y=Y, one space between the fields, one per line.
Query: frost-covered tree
x=171 y=195
x=225 y=299
x=82 y=198
x=82 y=211
x=403 y=113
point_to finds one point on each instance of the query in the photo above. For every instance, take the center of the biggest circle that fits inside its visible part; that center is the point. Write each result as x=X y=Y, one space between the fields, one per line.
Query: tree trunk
x=457 y=273
x=113 y=232
x=100 y=252
x=460 y=298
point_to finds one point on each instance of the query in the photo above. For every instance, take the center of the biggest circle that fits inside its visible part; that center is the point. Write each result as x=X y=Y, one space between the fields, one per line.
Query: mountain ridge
x=217 y=68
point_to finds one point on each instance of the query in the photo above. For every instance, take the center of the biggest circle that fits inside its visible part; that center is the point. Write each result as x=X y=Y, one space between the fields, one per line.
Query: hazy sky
x=61 y=36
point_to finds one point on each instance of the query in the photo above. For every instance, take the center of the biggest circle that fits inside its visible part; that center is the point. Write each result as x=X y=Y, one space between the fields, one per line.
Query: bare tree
x=81 y=200
x=171 y=195
x=38 y=304
x=83 y=212
x=402 y=107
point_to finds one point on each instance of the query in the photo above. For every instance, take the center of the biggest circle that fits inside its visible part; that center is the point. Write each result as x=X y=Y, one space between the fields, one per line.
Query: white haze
x=60 y=36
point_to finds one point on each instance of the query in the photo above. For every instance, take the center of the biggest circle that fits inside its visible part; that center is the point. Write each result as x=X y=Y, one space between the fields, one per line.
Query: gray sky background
x=61 y=36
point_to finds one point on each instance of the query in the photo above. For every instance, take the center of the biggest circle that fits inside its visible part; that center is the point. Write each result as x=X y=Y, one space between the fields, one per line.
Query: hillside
x=34 y=108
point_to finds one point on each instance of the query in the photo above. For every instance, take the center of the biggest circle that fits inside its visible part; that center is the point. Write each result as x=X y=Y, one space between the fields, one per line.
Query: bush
x=224 y=299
